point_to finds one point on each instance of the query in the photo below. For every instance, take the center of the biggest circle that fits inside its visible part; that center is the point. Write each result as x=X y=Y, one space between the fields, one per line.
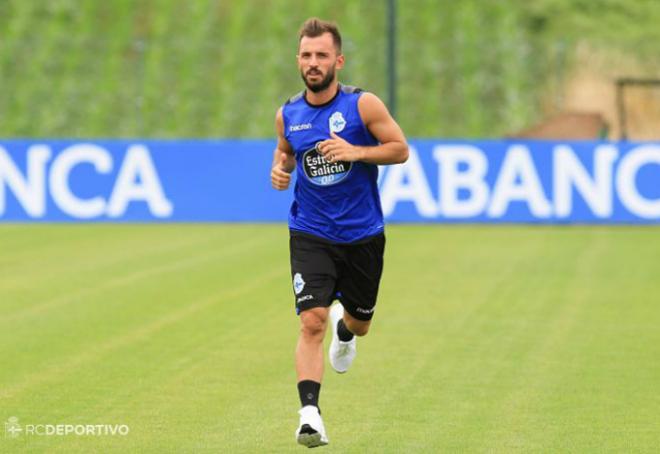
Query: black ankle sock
x=343 y=333
x=309 y=391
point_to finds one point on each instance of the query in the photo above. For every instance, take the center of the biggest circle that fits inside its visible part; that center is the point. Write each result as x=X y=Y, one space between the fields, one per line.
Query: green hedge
x=211 y=68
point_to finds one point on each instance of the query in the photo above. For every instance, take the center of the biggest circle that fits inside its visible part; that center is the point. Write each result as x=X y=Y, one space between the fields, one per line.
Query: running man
x=335 y=136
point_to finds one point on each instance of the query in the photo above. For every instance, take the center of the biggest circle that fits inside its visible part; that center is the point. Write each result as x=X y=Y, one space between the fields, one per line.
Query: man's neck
x=322 y=96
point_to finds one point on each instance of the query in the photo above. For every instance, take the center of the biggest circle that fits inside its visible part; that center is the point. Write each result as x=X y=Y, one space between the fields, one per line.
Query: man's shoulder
x=350 y=89
x=295 y=98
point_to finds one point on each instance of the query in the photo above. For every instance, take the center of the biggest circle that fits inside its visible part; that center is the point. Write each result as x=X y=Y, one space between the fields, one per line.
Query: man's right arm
x=284 y=161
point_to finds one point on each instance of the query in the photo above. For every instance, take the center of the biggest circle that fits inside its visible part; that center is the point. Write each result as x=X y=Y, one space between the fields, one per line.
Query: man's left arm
x=392 y=149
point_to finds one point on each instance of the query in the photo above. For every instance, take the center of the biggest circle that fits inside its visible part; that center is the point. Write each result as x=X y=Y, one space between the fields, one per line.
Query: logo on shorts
x=298 y=283
x=364 y=311
x=304 y=298
x=337 y=122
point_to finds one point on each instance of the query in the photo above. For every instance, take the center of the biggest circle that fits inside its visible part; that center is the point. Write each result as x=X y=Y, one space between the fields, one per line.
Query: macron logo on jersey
x=302 y=127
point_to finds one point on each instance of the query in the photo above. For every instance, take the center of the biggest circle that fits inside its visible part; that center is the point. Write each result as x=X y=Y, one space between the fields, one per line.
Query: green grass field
x=486 y=339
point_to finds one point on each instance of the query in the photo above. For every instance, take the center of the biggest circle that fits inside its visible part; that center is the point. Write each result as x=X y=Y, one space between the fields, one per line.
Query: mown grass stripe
x=95 y=352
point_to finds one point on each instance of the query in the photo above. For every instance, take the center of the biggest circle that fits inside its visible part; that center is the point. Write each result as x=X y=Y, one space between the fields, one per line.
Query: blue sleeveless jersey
x=337 y=201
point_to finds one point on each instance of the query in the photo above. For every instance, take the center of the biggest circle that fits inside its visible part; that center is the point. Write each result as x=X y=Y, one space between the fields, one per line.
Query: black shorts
x=323 y=271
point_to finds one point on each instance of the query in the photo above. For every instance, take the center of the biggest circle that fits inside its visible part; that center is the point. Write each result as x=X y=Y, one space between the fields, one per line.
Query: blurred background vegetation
x=214 y=68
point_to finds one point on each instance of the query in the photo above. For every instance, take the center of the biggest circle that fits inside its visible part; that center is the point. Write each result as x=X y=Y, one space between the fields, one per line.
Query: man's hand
x=337 y=149
x=280 y=174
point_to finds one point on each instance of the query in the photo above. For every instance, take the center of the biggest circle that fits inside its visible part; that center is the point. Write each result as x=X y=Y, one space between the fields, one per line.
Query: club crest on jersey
x=298 y=283
x=321 y=172
x=337 y=122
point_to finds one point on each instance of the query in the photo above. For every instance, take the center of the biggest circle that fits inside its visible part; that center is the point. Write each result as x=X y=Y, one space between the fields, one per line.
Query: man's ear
x=340 y=61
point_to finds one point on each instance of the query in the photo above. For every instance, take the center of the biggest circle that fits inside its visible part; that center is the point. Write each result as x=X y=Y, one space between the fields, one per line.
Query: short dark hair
x=314 y=27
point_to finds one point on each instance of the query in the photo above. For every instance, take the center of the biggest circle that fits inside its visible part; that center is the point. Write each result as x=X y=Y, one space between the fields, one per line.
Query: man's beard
x=322 y=84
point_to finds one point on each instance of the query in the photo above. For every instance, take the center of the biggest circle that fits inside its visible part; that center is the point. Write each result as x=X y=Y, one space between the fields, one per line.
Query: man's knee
x=313 y=323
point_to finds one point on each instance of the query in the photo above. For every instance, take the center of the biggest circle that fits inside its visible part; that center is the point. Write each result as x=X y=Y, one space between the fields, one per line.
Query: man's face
x=318 y=61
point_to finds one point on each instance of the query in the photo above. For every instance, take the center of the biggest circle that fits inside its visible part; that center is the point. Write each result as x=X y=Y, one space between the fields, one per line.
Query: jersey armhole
x=367 y=133
x=291 y=100
x=285 y=126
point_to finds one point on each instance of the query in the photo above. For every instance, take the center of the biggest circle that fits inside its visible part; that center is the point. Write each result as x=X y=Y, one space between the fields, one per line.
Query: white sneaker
x=341 y=353
x=311 y=432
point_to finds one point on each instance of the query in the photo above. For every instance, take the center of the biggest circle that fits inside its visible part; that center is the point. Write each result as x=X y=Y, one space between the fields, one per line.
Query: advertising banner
x=497 y=181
